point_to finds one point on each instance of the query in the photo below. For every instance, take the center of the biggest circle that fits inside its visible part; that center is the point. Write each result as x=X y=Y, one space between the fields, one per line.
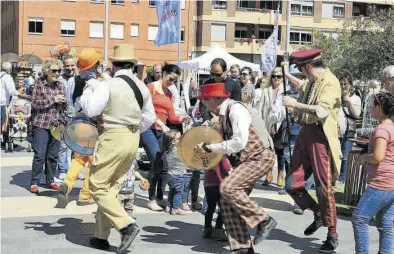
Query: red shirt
x=164 y=108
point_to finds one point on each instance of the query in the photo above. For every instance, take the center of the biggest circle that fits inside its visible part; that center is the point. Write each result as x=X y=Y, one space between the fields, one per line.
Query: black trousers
x=212 y=194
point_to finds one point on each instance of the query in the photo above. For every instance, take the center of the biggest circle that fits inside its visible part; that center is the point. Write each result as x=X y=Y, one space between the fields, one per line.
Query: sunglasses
x=276 y=76
x=245 y=74
x=216 y=74
x=55 y=71
x=172 y=79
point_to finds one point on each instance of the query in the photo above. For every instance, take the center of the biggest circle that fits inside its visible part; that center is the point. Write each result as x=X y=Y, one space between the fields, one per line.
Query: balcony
x=244 y=9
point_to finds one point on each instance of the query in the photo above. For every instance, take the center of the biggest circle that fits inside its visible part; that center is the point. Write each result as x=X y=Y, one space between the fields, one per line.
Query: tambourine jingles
x=191 y=139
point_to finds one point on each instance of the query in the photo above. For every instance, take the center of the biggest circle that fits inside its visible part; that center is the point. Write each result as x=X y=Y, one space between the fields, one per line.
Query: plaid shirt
x=46 y=112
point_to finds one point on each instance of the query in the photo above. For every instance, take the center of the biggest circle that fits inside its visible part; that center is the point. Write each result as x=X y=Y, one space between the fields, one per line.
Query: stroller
x=19 y=124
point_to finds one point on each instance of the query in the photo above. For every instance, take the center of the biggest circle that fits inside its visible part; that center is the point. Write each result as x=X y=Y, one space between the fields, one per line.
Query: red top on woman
x=164 y=108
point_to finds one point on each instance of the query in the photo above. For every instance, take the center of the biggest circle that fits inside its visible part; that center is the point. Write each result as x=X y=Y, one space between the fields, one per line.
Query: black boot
x=62 y=196
x=97 y=243
x=316 y=224
x=330 y=244
x=240 y=251
x=128 y=235
x=264 y=229
x=207 y=233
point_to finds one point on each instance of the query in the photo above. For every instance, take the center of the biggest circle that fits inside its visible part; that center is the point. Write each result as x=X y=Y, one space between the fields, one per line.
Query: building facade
x=242 y=26
x=34 y=27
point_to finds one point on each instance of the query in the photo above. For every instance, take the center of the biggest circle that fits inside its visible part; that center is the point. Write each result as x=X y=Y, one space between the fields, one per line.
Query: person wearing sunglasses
x=378 y=199
x=48 y=103
x=317 y=146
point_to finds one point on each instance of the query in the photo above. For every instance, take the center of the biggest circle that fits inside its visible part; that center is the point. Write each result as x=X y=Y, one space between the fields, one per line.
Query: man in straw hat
x=251 y=154
x=126 y=109
x=318 y=104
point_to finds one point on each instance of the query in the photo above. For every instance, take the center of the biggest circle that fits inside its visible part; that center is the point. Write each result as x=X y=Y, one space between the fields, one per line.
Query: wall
x=9 y=26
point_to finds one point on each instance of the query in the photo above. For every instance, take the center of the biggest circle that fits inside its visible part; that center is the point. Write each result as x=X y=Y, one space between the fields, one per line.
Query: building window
x=135 y=1
x=117 y=31
x=241 y=31
x=96 y=30
x=302 y=8
x=219 y=4
x=152 y=32
x=152 y=3
x=183 y=4
x=67 y=27
x=134 y=30
x=300 y=37
x=35 y=25
x=333 y=10
x=118 y=2
x=218 y=32
x=97 y=1
x=264 y=33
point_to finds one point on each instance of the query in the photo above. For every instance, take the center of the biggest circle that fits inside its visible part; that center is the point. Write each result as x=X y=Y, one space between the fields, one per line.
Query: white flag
x=270 y=49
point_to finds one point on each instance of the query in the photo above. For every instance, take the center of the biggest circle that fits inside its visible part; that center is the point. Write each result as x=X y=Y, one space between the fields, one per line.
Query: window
x=333 y=10
x=333 y=35
x=302 y=8
x=152 y=3
x=135 y=1
x=183 y=4
x=134 y=30
x=118 y=2
x=218 y=32
x=183 y=34
x=264 y=33
x=67 y=27
x=152 y=32
x=219 y=4
x=96 y=30
x=117 y=31
x=271 y=5
x=97 y=1
x=300 y=37
x=35 y=25
x=241 y=31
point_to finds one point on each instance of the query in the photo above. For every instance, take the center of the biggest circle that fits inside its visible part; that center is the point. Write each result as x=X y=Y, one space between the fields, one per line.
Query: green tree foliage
x=365 y=46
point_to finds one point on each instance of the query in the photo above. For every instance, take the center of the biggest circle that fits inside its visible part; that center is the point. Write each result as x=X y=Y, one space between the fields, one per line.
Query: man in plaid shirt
x=48 y=102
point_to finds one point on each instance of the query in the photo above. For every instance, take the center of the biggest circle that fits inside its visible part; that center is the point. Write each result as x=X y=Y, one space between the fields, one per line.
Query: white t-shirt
x=7 y=88
x=356 y=101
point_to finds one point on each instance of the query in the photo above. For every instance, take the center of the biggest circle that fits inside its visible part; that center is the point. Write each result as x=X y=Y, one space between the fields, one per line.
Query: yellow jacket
x=327 y=93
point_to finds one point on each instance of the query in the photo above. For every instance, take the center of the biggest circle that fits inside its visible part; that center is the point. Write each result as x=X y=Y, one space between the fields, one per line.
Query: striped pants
x=239 y=211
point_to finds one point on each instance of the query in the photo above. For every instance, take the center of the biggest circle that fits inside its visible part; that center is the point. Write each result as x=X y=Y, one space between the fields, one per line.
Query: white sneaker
x=62 y=176
x=152 y=205
x=57 y=180
x=81 y=176
x=43 y=179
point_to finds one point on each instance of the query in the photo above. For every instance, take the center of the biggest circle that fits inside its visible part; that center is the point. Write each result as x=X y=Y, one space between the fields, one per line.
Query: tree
x=365 y=47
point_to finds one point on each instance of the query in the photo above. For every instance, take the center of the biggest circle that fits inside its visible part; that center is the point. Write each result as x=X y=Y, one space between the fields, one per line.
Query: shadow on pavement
x=271 y=187
x=303 y=243
x=22 y=179
x=183 y=233
x=273 y=204
x=75 y=230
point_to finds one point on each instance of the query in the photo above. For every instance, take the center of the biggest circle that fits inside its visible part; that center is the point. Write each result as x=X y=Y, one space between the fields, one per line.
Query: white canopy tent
x=203 y=62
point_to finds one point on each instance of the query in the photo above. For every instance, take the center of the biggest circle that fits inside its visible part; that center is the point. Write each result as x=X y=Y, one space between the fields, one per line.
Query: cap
x=213 y=90
x=306 y=56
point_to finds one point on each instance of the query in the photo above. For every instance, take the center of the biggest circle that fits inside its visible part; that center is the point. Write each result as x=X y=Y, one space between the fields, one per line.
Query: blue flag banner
x=168 y=12
x=270 y=49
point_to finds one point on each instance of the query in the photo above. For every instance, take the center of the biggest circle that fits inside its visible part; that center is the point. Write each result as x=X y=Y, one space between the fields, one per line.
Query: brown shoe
x=34 y=189
x=269 y=178
x=54 y=186
x=281 y=177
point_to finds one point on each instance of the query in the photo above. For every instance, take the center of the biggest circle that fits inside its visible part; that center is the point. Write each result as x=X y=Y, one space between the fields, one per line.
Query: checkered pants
x=239 y=211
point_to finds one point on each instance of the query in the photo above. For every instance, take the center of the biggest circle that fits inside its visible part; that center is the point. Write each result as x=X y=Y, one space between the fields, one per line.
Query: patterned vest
x=254 y=148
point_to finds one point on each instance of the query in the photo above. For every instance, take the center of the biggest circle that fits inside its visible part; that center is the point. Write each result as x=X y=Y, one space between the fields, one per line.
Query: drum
x=81 y=135
x=191 y=139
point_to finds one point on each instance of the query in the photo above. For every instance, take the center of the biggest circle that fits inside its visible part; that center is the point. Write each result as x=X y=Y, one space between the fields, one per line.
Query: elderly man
x=318 y=105
x=388 y=74
x=120 y=102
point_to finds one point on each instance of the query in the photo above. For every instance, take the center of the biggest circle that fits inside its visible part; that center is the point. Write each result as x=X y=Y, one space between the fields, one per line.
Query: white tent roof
x=204 y=61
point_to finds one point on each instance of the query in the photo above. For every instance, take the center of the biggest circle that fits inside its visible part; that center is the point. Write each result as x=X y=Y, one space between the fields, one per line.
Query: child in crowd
x=212 y=180
x=378 y=199
x=126 y=193
x=177 y=171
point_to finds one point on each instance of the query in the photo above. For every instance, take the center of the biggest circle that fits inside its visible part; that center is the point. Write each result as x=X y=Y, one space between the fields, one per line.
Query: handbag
x=351 y=125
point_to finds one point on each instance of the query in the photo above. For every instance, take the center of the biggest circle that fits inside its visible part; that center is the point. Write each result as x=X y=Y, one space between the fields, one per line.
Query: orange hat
x=306 y=56
x=213 y=90
x=87 y=58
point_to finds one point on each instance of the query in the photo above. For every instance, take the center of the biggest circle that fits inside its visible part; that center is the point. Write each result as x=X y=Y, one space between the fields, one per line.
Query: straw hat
x=87 y=58
x=124 y=53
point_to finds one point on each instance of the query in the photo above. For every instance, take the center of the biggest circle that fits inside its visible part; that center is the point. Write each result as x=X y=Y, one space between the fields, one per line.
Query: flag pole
x=179 y=41
x=106 y=35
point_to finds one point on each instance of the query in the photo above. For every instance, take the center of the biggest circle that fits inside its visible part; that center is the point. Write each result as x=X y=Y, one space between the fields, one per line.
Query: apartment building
x=33 y=27
x=242 y=26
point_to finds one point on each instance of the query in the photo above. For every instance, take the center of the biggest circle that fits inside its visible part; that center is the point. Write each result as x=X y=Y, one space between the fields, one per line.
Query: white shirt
x=7 y=88
x=96 y=96
x=356 y=101
x=240 y=121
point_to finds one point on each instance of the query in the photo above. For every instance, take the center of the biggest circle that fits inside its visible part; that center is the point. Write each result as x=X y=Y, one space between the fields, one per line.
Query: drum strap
x=133 y=85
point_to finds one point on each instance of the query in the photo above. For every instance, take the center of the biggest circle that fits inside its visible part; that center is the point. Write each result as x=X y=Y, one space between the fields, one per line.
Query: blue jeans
x=380 y=203
x=193 y=180
x=63 y=161
x=3 y=110
x=46 y=150
x=152 y=141
x=346 y=147
x=177 y=185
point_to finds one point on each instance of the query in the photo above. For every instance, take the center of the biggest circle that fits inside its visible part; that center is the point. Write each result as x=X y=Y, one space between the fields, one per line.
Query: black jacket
x=232 y=86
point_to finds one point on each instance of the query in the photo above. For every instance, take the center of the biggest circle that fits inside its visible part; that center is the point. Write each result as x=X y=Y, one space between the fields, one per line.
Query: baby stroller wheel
x=9 y=147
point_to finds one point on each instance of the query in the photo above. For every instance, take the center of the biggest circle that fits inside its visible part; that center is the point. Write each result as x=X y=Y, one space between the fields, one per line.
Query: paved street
x=31 y=224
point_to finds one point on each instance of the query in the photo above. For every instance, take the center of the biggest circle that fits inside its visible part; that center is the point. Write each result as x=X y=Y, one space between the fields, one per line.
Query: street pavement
x=31 y=224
